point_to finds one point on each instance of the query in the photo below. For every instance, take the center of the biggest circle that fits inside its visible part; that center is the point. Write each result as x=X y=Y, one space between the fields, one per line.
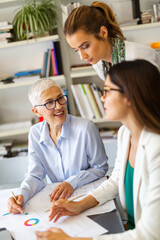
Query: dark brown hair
x=91 y=18
x=140 y=81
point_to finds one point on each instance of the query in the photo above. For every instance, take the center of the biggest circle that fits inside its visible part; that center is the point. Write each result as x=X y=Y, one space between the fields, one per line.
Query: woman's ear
x=103 y=32
x=128 y=102
x=35 y=111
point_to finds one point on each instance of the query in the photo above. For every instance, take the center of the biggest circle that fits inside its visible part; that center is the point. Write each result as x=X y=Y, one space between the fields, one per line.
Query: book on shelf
x=4 y=23
x=53 y=64
x=79 y=102
x=92 y=101
x=6 y=35
x=52 y=61
x=89 y=110
x=88 y=101
x=4 y=147
x=58 y=57
x=48 y=63
x=6 y=27
x=43 y=65
x=55 y=59
x=27 y=73
x=97 y=95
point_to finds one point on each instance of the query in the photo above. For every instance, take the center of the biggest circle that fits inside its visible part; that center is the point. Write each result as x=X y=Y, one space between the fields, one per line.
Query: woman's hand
x=69 y=208
x=56 y=234
x=14 y=207
x=64 y=208
x=62 y=191
x=51 y=234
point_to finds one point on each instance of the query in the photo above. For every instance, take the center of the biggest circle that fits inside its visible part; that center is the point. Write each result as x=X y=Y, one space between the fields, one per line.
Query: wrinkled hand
x=62 y=191
x=64 y=208
x=14 y=207
x=51 y=234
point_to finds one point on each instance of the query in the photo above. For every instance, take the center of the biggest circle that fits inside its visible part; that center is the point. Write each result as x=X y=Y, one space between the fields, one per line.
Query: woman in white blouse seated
x=131 y=94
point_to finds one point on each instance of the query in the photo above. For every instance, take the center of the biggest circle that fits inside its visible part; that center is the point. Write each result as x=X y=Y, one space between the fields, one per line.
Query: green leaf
x=37 y=17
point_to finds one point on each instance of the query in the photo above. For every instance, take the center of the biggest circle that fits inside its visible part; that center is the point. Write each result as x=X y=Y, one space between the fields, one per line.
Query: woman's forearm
x=87 y=203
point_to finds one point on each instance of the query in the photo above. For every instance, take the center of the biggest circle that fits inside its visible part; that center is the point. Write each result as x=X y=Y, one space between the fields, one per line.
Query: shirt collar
x=65 y=128
x=45 y=137
x=44 y=132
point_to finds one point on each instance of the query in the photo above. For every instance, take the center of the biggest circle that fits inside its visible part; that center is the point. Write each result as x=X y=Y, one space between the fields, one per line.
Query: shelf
x=14 y=132
x=140 y=26
x=59 y=79
x=31 y=41
x=7 y=1
x=83 y=73
x=102 y=122
x=17 y=128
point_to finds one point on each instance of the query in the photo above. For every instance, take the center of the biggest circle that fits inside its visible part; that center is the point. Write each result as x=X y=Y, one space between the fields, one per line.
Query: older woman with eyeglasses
x=67 y=149
x=131 y=95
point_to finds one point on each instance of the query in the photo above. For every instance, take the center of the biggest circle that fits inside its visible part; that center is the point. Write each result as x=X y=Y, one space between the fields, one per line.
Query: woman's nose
x=103 y=98
x=58 y=105
x=82 y=55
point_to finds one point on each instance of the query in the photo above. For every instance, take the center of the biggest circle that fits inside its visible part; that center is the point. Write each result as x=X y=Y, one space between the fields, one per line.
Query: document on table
x=23 y=226
x=84 y=190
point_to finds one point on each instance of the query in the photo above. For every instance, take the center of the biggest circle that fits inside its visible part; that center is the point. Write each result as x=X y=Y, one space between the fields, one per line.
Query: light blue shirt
x=78 y=158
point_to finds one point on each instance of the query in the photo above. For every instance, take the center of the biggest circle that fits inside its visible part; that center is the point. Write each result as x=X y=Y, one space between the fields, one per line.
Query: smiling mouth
x=59 y=113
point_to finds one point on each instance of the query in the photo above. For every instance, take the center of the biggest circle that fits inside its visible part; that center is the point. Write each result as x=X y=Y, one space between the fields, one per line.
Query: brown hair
x=140 y=81
x=91 y=18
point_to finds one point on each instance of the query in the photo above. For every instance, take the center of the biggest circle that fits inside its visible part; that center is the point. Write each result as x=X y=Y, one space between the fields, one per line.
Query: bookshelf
x=14 y=132
x=141 y=26
x=59 y=79
x=83 y=73
x=15 y=107
x=16 y=93
x=31 y=41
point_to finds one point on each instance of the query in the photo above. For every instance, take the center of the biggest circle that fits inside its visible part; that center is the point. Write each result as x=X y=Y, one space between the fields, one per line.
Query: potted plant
x=35 y=19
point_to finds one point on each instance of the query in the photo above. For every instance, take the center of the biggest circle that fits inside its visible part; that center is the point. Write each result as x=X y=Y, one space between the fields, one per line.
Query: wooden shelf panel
x=140 y=26
x=83 y=73
x=30 y=41
x=102 y=122
x=14 y=132
x=59 y=79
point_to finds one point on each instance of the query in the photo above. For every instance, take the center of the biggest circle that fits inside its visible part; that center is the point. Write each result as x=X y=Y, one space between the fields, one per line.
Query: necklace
x=117 y=52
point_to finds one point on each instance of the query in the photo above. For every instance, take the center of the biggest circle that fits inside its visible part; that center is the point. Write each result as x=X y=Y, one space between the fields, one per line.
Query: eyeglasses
x=52 y=104
x=106 y=90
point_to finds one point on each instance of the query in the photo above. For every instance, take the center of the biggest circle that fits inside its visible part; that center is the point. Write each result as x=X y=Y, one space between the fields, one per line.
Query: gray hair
x=38 y=88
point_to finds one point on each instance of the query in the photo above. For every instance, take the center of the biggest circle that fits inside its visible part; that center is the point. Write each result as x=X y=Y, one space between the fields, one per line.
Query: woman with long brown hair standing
x=95 y=34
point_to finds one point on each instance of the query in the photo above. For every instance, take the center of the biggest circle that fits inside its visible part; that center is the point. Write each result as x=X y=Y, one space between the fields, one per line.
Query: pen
x=68 y=201
x=16 y=201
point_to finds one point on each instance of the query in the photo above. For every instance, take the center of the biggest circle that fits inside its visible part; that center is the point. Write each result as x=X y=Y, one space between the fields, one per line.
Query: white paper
x=79 y=225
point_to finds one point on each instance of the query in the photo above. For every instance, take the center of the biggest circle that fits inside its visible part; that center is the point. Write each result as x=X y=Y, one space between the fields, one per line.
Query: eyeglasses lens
x=52 y=104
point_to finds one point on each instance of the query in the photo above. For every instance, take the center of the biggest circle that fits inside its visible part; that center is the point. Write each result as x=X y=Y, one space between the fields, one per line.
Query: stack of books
x=52 y=62
x=5 y=33
x=146 y=17
x=87 y=98
x=5 y=146
x=67 y=9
